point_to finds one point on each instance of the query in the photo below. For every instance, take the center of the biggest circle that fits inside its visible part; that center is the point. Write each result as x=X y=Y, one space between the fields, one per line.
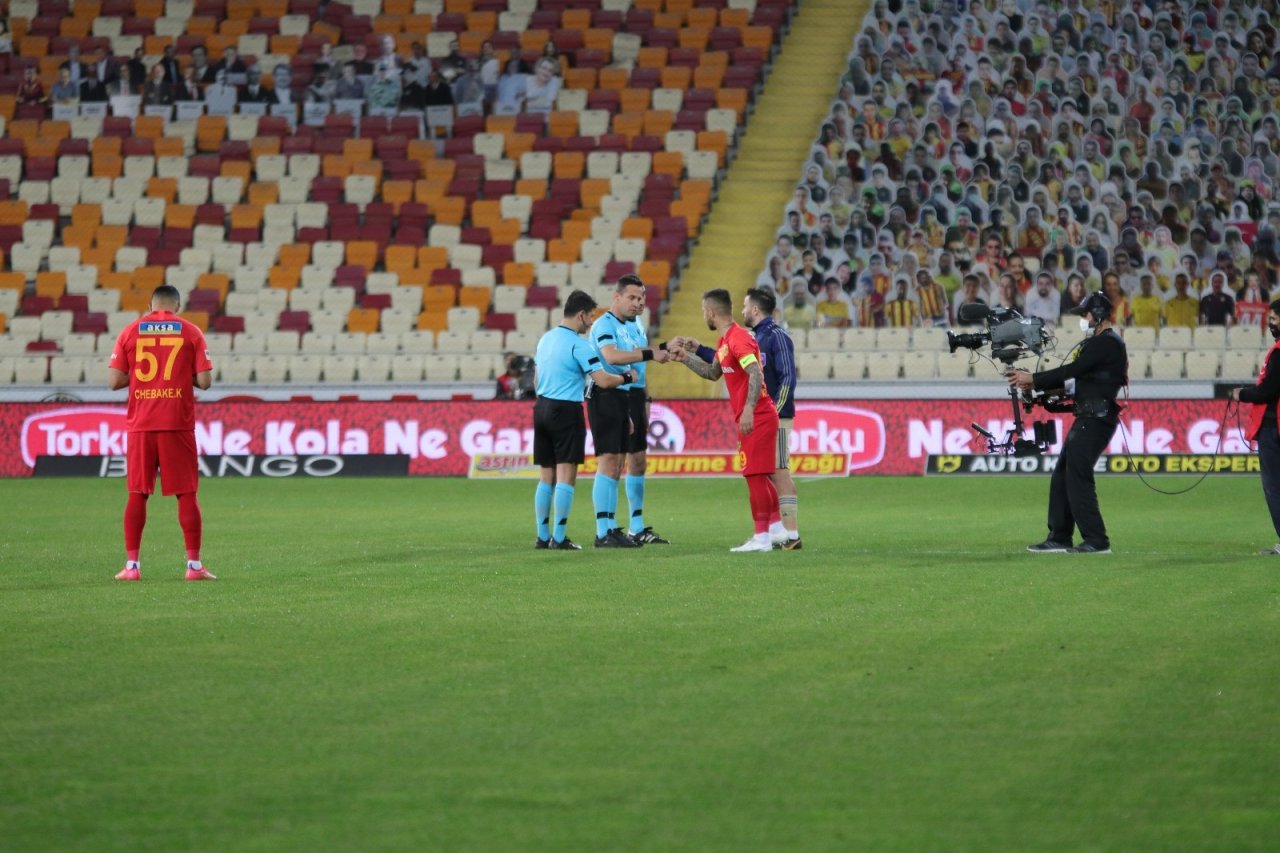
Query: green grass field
x=389 y=665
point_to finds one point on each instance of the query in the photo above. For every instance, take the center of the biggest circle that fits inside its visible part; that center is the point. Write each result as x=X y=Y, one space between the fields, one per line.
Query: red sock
x=192 y=527
x=135 y=518
x=764 y=500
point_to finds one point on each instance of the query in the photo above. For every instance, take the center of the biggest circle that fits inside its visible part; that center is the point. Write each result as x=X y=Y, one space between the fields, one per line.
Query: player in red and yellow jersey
x=737 y=358
x=161 y=358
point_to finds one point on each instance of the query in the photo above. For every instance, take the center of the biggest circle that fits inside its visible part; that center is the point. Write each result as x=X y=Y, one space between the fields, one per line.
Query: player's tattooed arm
x=755 y=382
x=706 y=370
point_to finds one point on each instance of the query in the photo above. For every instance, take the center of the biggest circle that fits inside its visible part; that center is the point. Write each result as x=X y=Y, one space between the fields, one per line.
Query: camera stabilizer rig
x=1012 y=337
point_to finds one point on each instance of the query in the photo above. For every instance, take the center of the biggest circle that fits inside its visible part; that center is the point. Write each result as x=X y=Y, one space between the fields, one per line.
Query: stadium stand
x=1039 y=153
x=355 y=192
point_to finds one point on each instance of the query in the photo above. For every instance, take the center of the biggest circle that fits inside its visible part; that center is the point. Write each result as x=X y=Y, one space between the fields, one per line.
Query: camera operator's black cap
x=1096 y=305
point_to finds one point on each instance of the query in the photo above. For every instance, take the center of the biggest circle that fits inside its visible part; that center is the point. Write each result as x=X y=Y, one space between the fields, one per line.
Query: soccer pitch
x=388 y=664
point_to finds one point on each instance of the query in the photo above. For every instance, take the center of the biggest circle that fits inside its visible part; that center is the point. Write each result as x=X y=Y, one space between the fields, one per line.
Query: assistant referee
x=562 y=362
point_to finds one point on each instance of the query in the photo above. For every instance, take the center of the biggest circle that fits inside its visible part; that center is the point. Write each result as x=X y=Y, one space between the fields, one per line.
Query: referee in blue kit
x=563 y=361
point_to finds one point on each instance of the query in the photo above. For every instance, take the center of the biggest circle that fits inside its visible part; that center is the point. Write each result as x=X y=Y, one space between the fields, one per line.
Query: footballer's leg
x=637 y=466
x=180 y=477
x=784 y=527
x=142 y=461
x=135 y=518
x=566 y=478
x=544 y=453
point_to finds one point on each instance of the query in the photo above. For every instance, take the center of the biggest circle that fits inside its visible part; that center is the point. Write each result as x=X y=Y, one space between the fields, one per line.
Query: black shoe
x=615 y=538
x=566 y=545
x=1048 y=546
x=541 y=544
x=648 y=537
x=790 y=545
x=1086 y=548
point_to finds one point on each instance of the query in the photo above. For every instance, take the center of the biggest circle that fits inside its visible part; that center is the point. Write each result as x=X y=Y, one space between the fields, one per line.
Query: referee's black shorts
x=559 y=432
x=619 y=420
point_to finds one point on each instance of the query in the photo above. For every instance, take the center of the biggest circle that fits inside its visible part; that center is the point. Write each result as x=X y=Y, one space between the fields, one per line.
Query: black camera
x=1010 y=334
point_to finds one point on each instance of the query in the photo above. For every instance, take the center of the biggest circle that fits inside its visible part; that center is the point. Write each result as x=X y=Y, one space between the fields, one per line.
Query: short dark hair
x=1274 y=306
x=578 y=302
x=720 y=300
x=167 y=293
x=629 y=280
x=762 y=299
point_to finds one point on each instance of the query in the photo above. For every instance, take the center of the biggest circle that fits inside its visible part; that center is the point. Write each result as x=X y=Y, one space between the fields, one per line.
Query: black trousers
x=1269 y=460
x=1073 y=497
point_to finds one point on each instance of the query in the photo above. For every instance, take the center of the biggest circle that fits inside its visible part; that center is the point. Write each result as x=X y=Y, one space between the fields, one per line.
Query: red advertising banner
x=874 y=436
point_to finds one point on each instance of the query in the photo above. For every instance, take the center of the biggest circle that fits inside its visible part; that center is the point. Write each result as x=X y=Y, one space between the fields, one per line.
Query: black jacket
x=1100 y=370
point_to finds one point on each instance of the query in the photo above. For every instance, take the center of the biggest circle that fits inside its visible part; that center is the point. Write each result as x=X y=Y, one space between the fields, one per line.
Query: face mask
x=1084 y=325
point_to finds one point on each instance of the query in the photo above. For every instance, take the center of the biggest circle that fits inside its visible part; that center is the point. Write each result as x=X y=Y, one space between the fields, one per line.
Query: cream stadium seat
x=397 y=321
x=953 y=365
x=813 y=366
x=68 y=369
x=524 y=342
x=340 y=368
x=847 y=366
x=353 y=343
x=441 y=367
x=282 y=343
x=1203 y=364
x=1208 y=338
x=883 y=366
x=381 y=343
x=30 y=370
x=602 y=164
x=270 y=369
x=528 y=250
x=454 y=341
x=444 y=235
x=536 y=165
x=919 y=365
x=1239 y=365
x=825 y=339
x=418 y=340
x=1139 y=337
x=316 y=343
x=486 y=341
x=235 y=369
x=1166 y=363
x=219 y=343
x=375 y=368
x=893 y=339
x=306 y=368
x=1174 y=338
x=407 y=367
x=79 y=343
x=339 y=299
x=477 y=367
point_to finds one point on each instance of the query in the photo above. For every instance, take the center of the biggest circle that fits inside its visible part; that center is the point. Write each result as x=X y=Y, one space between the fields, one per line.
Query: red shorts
x=758 y=452
x=173 y=454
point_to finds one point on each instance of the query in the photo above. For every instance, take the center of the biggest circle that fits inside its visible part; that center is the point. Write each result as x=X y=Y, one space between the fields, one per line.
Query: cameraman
x=516 y=383
x=1261 y=398
x=1092 y=380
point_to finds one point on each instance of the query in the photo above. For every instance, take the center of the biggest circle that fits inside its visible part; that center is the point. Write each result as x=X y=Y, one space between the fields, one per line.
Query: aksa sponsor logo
x=79 y=431
x=857 y=434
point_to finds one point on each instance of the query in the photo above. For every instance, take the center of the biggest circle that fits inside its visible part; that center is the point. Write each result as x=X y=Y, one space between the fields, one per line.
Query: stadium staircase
x=762 y=177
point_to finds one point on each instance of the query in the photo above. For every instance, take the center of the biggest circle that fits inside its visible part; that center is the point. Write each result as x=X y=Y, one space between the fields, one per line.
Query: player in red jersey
x=737 y=358
x=161 y=358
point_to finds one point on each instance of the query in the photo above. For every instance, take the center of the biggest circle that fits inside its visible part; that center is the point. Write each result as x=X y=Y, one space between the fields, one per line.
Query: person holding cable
x=1264 y=428
x=620 y=417
x=562 y=361
x=1093 y=381
x=778 y=353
